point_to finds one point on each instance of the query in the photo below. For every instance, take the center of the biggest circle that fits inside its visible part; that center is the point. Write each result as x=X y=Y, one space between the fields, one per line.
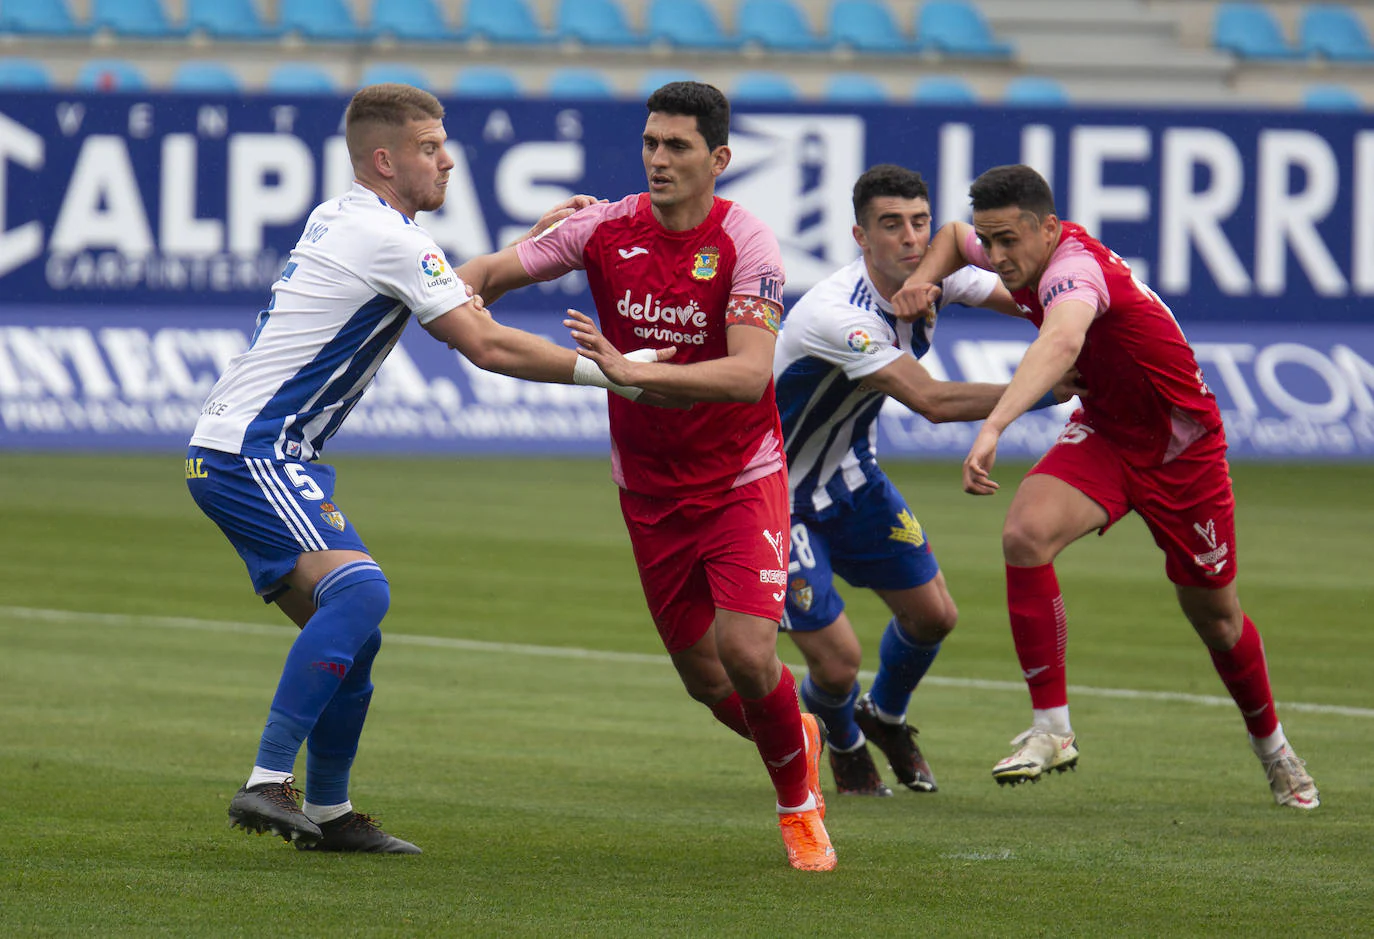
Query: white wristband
x=587 y=372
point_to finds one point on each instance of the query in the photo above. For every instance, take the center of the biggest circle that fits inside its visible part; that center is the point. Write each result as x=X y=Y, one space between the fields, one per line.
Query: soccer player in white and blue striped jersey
x=361 y=269
x=841 y=353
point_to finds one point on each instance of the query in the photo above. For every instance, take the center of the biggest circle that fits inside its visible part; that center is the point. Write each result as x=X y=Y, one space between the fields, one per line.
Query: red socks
x=1243 y=670
x=1040 y=632
x=730 y=712
x=776 y=724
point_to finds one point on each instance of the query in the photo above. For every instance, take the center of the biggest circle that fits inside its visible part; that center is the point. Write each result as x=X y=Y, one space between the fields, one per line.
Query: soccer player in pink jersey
x=1147 y=438
x=703 y=488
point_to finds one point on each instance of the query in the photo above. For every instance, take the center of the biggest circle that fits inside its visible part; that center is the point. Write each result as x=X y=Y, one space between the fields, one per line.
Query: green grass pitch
x=529 y=734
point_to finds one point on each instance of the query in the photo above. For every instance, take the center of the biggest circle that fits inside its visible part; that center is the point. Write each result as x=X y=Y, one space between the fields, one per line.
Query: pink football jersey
x=654 y=288
x=1146 y=393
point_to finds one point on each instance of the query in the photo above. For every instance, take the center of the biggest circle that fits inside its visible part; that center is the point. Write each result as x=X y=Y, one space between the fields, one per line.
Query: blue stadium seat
x=595 y=23
x=1331 y=98
x=1250 y=31
x=944 y=89
x=486 y=82
x=211 y=77
x=399 y=72
x=110 y=75
x=1334 y=32
x=227 y=19
x=24 y=74
x=1035 y=90
x=855 y=89
x=656 y=79
x=779 y=25
x=39 y=18
x=299 y=78
x=143 y=19
x=411 y=21
x=867 y=26
x=502 y=21
x=578 y=83
x=764 y=86
x=688 y=24
x=328 y=20
x=956 y=28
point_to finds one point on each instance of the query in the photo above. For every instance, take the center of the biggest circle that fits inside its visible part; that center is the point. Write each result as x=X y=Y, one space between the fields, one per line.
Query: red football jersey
x=1146 y=393
x=653 y=288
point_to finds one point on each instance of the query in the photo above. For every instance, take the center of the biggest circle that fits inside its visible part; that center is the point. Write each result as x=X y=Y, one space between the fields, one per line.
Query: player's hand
x=1068 y=386
x=915 y=301
x=979 y=462
x=592 y=344
x=559 y=212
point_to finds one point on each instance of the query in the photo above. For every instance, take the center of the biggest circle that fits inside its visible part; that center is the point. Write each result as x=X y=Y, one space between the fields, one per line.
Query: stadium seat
x=502 y=21
x=298 y=78
x=110 y=75
x=1035 y=90
x=778 y=25
x=595 y=23
x=656 y=79
x=578 y=83
x=227 y=19
x=24 y=74
x=867 y=26
x=688 y=24
x=486 y=82
x=956 y=28
x=855 y=89
x=944 y=89
x=39 y=18
x=142 y=19
x=381 y=72
x=764 y=86
x=1334 y=32
x=1331 y=98
x=411 y=21
x=1250 y=31
x=328 y=20
x=212 y=77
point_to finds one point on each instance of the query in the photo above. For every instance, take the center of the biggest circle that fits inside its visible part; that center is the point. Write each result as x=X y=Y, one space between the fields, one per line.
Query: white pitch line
x=638 y=658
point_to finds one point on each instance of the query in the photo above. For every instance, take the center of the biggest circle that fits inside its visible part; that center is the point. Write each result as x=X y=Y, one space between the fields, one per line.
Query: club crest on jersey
x=705 y=263
x=332 y=515
x=860 y=341
x=801 y=594
x=292 y=448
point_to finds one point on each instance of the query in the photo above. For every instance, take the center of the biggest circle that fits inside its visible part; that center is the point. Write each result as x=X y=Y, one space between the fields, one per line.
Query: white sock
x=1055 y=720
x=1268 y=746
x=862 y=740
x=319 y=814
x=260 y=776
x=806 y=806
x=885 y=717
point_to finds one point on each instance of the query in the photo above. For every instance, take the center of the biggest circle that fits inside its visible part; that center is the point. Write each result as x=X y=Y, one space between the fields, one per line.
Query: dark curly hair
x=886 y=179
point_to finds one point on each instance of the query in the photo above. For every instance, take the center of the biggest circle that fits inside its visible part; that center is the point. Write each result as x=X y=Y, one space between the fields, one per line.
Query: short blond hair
x=390 y=105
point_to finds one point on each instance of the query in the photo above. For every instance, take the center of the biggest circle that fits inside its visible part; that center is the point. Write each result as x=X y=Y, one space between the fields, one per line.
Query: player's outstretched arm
x=907 y=380
x=492 y=275
x=945 y=255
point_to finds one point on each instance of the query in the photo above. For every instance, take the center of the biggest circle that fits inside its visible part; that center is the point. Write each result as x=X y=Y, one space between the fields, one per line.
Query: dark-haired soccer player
x=703 y=490
x=1148 y=438
x=362 y=268
x=840 y=355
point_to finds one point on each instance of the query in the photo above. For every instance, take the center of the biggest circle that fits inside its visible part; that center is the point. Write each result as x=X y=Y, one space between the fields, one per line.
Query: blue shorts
x=272 y=512
x=873 y=542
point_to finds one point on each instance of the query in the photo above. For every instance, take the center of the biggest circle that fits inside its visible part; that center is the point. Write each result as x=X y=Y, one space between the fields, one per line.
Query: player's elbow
x=751 y=390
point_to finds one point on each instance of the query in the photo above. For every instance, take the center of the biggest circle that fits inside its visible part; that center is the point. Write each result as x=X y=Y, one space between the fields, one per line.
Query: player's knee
x=930 y=626
x=835 y=676
x=1025 y=543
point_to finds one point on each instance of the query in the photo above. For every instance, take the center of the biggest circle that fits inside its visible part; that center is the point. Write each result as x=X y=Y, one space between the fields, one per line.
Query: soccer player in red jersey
x=703 y=488
x=1148 y=438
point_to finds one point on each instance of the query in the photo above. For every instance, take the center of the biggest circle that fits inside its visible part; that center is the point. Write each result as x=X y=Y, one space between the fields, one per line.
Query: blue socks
x=835 y=712
x=902 y=663
x=340 y=639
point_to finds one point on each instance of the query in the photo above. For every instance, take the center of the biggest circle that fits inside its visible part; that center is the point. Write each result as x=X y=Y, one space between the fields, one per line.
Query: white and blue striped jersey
x=358 y=271
x=840 y=332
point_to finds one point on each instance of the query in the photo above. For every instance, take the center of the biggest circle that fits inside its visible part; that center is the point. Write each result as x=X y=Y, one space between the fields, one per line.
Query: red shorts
x=696 y=555
x=1187 y=503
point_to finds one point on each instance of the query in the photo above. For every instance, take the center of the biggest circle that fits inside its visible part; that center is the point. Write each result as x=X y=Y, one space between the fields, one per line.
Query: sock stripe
x=342 y=572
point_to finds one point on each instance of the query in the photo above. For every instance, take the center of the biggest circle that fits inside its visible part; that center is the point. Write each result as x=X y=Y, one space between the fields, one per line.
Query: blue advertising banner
x=181 y=201
x=80 y=378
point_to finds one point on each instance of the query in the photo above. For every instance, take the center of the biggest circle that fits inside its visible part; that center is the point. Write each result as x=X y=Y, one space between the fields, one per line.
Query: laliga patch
x=435 y=273
x=332 y=515
x=705 y=263
x=860 y=341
